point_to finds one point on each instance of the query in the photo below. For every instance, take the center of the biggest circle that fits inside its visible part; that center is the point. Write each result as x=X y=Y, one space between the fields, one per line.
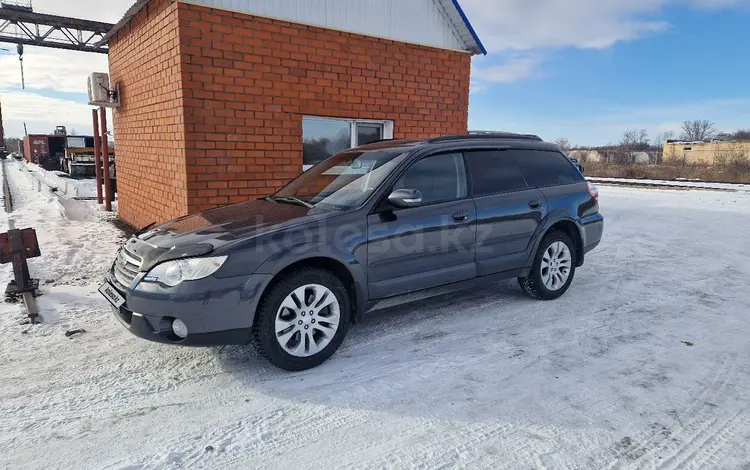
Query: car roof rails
x=487 y=134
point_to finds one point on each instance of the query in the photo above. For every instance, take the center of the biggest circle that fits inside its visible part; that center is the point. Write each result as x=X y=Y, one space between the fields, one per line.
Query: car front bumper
x=159 y=329
x=216 y=311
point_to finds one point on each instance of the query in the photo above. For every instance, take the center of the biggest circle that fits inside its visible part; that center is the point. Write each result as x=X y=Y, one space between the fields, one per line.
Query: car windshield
x=343 y=181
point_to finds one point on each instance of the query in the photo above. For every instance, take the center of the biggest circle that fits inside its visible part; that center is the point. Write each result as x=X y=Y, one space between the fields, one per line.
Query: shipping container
x=35 y=147
x=44 y=150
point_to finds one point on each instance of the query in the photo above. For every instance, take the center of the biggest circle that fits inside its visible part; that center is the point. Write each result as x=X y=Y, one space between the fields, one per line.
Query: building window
x=688 y=148
x=323 y=137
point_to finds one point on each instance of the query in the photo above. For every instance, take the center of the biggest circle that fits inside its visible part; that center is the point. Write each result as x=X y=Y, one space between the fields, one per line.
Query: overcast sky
x=584 y=69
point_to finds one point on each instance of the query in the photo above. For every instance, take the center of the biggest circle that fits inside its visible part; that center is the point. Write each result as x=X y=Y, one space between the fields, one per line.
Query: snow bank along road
x=642 y=364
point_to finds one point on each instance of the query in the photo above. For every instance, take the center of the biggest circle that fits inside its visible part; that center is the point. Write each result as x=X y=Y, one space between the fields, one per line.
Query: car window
x=493 y=171
x=545 y=168
x=439 y=178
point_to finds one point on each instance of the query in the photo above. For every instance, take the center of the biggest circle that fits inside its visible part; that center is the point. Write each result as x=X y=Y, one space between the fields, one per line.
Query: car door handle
x=461 y=216
x=535 y=204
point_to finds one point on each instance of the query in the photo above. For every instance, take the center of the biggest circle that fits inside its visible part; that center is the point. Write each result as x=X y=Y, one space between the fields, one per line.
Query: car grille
x=126 y=268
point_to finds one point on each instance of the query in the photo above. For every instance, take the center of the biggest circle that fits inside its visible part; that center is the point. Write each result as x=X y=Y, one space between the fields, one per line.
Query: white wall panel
x=416 y=21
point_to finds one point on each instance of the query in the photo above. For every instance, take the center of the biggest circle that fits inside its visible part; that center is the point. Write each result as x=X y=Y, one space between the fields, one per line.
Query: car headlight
x=171 y=273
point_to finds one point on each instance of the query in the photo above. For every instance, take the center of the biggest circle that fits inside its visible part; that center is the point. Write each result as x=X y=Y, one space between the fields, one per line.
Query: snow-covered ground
x=642 y=364
x=682 y=183
x=64 y=185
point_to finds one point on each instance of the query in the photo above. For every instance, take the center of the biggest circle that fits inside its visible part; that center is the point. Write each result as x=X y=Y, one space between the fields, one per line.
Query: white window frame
x=387 y=129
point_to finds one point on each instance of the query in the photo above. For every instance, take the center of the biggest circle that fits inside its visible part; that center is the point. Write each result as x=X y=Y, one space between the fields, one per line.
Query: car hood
x=217 y=227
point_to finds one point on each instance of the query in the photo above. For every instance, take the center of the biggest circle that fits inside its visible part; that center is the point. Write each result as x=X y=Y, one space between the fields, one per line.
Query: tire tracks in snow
x=660 y=438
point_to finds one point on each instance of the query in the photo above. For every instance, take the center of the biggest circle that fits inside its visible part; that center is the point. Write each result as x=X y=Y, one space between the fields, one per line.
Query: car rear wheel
x=302 y=320
x=553 y=268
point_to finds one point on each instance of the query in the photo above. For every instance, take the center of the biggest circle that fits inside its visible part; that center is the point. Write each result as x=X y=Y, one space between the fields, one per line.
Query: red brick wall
x=234 y=89
x=249 y=80
x=149 y=127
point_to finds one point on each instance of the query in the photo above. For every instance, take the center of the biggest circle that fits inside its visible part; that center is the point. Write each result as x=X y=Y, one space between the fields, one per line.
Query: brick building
x=220 y=105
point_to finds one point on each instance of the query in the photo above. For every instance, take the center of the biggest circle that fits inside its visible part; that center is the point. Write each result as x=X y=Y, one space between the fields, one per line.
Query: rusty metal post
x=97 y=156
x=22 y=283
x=105 y=159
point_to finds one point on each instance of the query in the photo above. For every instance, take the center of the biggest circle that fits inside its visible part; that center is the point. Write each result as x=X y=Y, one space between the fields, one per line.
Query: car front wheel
x=553 y=268
x=302 y=320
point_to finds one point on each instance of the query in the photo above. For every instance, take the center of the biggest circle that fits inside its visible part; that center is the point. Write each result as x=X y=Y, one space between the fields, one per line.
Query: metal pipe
x=97 y=156
x=105 y=159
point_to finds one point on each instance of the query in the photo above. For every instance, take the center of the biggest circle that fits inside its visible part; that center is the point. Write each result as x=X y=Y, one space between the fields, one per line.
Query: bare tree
x=742 y=134
x=628 y=139
x=697 y=130
x=563 y=143
x=634 y=139
x=660 y=139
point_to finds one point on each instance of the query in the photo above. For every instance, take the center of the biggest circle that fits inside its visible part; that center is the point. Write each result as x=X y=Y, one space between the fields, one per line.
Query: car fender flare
x=554 y=217
x=353 y=267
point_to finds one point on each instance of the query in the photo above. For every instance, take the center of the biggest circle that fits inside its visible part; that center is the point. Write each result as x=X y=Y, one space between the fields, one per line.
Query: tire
x=534 y=285
x=299 y=325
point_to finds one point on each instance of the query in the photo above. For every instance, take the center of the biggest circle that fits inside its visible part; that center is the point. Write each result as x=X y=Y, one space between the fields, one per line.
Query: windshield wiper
x=290 y=200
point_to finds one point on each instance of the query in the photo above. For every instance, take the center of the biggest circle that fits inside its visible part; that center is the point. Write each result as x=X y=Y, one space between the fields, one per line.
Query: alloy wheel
x=556 y=266
x=307 y=320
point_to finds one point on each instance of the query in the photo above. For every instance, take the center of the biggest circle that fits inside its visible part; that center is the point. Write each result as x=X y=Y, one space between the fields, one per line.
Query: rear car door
x=560 y=181
x=426 y=246
x=508 y=211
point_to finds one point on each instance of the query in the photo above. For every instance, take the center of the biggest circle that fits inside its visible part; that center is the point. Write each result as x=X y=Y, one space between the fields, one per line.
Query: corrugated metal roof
x=454 y=14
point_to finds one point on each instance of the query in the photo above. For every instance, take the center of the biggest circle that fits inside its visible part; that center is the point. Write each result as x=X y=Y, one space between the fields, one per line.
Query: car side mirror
x=405 y=198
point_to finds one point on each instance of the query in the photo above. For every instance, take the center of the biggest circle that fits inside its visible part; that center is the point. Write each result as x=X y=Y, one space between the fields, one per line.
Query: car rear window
x=493 y=171
x=545 y=168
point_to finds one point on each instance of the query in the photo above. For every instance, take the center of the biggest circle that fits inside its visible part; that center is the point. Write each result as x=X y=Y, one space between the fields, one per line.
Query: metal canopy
x=59 y=32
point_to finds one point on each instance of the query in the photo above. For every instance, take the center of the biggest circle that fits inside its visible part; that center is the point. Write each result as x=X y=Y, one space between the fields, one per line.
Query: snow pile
x=643 y=363
x=64 y=185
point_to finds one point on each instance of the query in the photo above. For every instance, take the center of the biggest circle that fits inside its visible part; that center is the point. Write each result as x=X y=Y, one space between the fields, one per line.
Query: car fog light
x=180 y=329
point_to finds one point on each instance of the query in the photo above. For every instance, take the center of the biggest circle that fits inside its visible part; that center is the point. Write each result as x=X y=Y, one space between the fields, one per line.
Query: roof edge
x=139 y=5
x=474 y=34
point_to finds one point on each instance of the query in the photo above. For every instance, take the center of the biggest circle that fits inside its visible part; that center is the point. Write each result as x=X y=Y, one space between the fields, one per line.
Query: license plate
x=111 y=294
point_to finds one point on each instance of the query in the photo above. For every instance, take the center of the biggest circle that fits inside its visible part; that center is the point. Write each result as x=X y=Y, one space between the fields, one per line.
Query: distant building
x=706 y=152
x=723 y=136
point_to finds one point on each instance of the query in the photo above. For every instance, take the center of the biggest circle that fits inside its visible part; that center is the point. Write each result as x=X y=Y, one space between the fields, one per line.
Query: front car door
x=508 y=211
x=426 y=246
